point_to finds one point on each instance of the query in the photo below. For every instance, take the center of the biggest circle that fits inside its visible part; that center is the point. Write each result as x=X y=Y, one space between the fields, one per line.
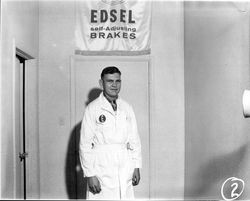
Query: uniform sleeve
x=134 y=141
x=85 y=146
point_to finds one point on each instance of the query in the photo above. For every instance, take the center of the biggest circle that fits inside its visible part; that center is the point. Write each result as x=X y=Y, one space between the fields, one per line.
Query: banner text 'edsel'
x=113 y=15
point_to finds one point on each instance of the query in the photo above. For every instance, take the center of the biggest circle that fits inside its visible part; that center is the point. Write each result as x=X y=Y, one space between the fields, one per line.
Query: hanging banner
x=113 y=27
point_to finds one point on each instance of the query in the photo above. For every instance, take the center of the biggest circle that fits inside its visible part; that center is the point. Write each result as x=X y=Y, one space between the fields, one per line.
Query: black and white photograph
x=125 y=100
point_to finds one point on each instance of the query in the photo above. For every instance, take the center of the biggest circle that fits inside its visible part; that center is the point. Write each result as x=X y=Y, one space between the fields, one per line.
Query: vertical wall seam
x=38 y=105
x=184 y=100
x=13 y=115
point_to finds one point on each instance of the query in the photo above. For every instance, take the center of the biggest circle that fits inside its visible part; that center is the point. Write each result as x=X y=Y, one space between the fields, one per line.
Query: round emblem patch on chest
x=102 y=118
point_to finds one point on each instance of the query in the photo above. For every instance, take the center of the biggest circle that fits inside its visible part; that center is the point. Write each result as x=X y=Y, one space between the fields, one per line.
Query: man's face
x=111 y=84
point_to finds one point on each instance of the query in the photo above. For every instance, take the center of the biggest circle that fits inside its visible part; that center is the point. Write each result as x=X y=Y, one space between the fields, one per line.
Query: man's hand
x=136 y=177
x=94 y=185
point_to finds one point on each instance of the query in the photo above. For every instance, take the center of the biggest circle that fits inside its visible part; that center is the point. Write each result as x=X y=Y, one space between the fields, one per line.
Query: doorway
x=20 y=100
x=19 y=126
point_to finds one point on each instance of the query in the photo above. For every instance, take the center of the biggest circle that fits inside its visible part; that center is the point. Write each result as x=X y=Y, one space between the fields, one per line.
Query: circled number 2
x=235 y=185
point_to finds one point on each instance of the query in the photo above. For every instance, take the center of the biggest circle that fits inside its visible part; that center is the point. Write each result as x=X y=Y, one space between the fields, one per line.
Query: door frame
x=31 y=189
x=22 y=57
x=144 y=58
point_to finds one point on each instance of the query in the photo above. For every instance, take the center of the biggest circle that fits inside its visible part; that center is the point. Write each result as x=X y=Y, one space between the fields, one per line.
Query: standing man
x=110 y=147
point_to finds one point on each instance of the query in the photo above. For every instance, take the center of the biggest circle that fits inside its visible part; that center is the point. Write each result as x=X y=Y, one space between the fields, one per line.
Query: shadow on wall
x=75 y=182
x=217 y=169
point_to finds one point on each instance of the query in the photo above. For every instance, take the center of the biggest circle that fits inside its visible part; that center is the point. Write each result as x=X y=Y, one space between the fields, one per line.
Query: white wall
x=167 y=129
x=216 y=73
x=19 y=23
x=56 y=44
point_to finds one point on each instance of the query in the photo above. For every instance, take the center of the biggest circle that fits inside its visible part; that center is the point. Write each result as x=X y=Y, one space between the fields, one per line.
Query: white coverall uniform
x=110 y=148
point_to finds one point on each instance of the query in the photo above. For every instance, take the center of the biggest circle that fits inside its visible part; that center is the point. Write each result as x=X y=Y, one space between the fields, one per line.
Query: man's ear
x=101 y=83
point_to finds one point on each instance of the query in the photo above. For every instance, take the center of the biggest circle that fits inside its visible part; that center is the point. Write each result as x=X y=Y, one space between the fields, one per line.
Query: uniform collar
x=105 y=96
x=106 y=105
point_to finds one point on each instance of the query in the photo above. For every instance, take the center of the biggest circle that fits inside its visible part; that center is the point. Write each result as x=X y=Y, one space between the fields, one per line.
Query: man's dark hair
x=110 y=70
